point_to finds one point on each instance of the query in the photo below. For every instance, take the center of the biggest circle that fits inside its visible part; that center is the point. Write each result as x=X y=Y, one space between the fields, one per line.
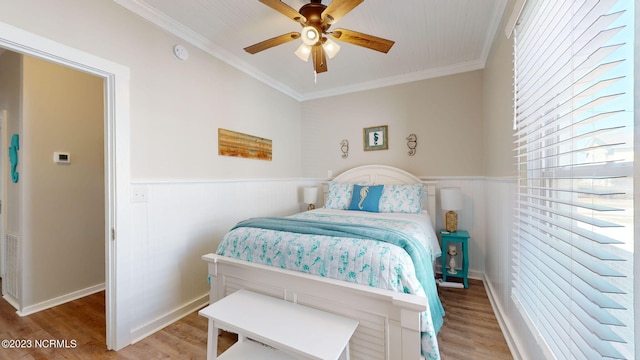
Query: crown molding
x=397 y=80
x=142 y=9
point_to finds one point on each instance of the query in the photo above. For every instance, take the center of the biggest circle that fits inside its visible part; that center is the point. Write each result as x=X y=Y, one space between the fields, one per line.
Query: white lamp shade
x=310 y=195
x=303 y=52
x=451 y=199
x=331 y=48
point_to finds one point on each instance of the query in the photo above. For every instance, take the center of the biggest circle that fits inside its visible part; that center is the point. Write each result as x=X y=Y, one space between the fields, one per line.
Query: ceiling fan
x=316 y=19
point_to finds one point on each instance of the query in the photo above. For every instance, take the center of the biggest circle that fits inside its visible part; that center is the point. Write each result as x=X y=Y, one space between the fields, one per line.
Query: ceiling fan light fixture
x=316 y=19
x=331 y=48
x=303 y=52
x=310 y=35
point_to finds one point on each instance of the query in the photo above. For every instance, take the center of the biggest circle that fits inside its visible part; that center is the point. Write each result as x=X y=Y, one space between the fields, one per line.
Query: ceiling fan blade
x=285 y=9
x=319 y=59
x=278 y=40
x=364 y=40
x=337 y=9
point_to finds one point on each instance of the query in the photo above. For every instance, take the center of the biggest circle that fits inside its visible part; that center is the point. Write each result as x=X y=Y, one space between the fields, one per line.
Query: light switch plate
x=139 y=194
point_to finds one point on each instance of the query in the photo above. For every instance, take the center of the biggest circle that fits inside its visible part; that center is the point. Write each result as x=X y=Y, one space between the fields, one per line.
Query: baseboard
x=502 y=321
x=32 y=309
x=161 y=322
x=13 y=302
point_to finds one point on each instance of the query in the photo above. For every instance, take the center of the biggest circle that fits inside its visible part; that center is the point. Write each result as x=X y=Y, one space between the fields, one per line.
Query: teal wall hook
x=13 y=157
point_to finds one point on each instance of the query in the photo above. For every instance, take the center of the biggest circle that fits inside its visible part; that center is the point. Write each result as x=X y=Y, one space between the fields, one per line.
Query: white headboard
x=383 y=174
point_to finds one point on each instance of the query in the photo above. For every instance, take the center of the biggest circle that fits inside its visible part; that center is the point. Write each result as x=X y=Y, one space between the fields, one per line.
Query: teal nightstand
x=462 y=237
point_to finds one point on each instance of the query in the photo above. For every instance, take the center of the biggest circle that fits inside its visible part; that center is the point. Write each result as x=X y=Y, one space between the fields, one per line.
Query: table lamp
x=451 y=200
x=310 y=197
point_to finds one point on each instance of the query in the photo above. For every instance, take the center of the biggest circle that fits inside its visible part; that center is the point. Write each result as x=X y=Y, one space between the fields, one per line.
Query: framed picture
x=375 y=138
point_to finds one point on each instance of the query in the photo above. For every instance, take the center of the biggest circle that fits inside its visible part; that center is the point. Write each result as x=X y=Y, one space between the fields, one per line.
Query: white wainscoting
x=176 y=223
x=471 y=218
x=499 y=223
x=180 y=221
x=501 y=194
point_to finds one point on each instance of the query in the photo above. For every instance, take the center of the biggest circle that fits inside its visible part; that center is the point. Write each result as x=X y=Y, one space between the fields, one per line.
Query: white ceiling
x=432 y=38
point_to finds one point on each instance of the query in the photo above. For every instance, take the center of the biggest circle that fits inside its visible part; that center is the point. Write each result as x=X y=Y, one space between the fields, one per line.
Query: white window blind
x=573 y=236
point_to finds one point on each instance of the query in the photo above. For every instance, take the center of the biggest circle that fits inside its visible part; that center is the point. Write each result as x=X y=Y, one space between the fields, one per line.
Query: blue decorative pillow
x=366 y=197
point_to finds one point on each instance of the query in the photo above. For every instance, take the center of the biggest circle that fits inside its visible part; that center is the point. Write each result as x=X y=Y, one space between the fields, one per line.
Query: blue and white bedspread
x=385 y=250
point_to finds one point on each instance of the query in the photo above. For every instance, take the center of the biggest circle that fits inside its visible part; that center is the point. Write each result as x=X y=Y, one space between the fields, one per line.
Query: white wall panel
x=180 y=222
x=471 y=218
x=498 y=217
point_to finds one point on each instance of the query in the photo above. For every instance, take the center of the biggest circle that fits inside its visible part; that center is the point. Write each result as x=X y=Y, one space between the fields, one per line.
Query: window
x=573 y=237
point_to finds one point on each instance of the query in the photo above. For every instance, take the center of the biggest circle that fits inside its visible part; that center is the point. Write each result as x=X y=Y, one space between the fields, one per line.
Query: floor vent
x=11 y=265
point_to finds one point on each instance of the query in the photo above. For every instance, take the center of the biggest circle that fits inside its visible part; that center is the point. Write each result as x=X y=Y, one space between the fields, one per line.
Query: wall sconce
x=344 y=147
x=310 y=197
x=451 y=200
x=412 y=143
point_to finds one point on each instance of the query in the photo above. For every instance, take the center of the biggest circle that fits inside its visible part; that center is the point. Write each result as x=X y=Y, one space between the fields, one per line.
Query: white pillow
x=339 y=195
x=402 y=198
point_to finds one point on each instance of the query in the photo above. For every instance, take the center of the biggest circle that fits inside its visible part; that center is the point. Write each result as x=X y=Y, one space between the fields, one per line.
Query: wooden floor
x=76 y=330
x=470 y=329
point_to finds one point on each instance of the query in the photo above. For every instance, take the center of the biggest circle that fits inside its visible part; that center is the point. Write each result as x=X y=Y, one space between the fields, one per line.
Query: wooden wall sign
x=231 y=143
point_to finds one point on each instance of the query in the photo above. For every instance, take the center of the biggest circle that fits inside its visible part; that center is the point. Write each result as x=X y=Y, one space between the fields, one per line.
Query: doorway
x=3 y=127
x=54 y=197
x=116 y=153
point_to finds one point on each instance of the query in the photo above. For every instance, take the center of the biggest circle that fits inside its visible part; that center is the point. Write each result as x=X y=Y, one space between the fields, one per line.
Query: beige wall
x=497 y=90
x=63 y=205
x=445 y=113
x=56 y=211
x=176 y=107
x=10 y=90
x=173 y=111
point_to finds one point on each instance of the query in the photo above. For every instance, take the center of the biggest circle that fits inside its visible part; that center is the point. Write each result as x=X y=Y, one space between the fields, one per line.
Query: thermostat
x=61 y=158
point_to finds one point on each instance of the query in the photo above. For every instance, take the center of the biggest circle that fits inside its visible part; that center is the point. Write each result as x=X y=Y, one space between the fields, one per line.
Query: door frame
x=3 y=192
x=117 y=161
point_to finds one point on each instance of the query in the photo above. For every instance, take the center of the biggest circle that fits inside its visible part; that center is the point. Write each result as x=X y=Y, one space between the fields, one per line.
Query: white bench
x=291 y=331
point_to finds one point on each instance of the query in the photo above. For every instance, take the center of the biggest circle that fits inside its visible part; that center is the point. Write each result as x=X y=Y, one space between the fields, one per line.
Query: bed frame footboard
x=389 y=322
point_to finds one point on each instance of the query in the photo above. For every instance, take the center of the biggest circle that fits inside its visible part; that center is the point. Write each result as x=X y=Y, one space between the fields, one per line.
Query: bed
x=398 y=309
